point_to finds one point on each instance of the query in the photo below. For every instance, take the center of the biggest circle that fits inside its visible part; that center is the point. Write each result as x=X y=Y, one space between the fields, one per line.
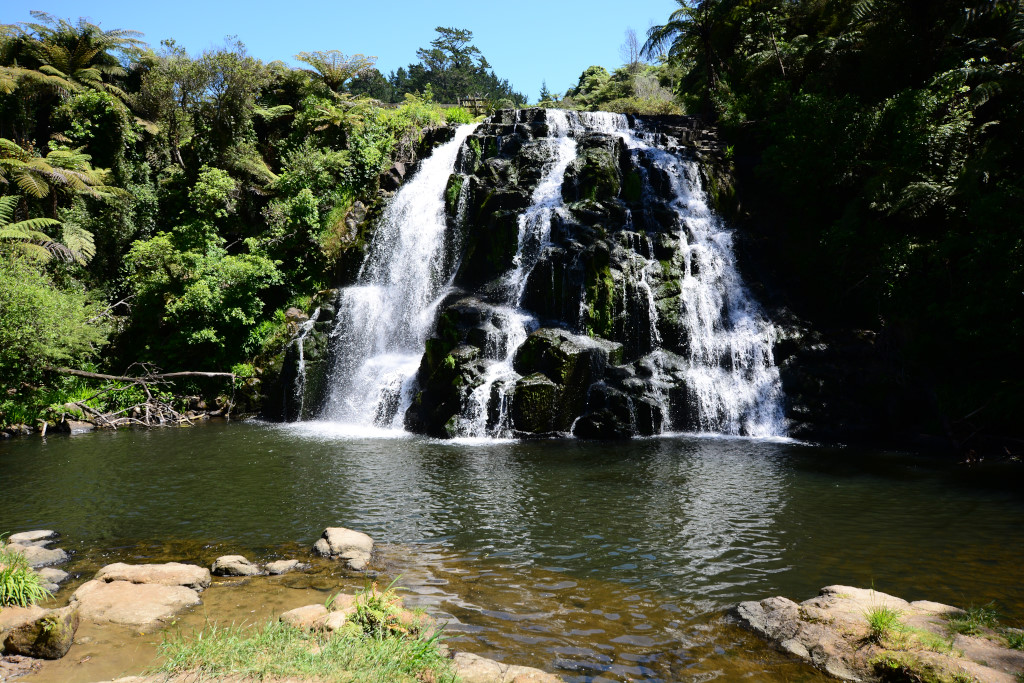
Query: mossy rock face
x=599 y=287
x=594 y=175
x=451 y=194
x=443 y=391
x=490 y=249
x=48 y=637
x=535 y=404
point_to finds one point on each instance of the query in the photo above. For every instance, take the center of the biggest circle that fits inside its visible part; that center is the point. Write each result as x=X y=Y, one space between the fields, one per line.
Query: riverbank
x=142 y=619
x=854 y=634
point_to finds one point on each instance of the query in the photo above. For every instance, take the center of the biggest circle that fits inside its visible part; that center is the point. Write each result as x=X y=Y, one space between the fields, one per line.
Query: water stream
x=384 y=320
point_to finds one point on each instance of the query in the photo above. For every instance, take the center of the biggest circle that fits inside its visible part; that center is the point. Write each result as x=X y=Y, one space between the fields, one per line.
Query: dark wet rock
x=234 y=565
x=352 y=547
x=535 y=404
x=48 y=637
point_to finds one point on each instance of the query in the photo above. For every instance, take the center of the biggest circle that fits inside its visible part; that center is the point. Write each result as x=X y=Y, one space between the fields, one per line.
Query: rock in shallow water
x=166 y=574
x=142 y=605
x=284 y=566
x=476 y=669
x=234 y=565
x=339 y=543
x=33 y=537
x=37 y=555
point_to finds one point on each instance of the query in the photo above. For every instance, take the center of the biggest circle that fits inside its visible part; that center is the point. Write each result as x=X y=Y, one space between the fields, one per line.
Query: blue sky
x=526 y=41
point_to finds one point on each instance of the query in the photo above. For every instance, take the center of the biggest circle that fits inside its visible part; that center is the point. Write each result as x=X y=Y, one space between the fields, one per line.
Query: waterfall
x=731 y=374
x=384 y=319
x=710 y=362
x=534 y=224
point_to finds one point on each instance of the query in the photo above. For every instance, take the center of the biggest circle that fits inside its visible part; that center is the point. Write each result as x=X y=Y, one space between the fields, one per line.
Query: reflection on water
x=601 y=561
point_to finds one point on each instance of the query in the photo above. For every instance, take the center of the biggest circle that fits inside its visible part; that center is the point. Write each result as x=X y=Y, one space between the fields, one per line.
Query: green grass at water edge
x=1014 y=638
x=277 y=649
x=971 y=621
x=19 y=585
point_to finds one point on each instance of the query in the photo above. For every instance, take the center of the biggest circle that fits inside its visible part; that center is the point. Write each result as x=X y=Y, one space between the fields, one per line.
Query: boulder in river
x=49 y=636
x=234 y=565
x=338 y=543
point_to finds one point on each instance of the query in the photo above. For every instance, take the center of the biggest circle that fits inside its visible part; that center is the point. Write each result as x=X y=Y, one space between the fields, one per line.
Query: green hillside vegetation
x=165 y=208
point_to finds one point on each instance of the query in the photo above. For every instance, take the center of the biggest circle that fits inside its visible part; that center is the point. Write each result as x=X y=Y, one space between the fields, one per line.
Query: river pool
x=598 y=561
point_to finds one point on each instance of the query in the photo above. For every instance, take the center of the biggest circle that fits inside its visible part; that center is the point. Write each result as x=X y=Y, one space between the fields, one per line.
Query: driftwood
x=155 y=411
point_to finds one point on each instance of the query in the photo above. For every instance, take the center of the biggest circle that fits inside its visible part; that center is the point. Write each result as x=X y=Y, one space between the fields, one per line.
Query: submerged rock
x=284 y=566
x=338 y=543
x=47 y=637
x=476 y=669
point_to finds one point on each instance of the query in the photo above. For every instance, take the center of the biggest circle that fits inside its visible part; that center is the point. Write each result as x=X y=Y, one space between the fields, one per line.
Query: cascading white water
x=732 y=376
x=300 y=370
x=534 y=235
x=384 y=320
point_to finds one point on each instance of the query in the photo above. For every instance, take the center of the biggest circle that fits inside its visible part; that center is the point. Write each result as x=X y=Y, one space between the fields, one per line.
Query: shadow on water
x=598 y=560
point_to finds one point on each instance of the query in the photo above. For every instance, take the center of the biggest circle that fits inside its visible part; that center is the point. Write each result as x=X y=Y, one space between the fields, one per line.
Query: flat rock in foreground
x=831 y=632
x=141 y=605
x=167 y=574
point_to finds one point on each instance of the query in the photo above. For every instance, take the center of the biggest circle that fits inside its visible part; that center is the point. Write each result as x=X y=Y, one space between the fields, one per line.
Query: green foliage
x=277 y=650
x=41 y=323
x=971 y=621
x=884 y=623
x=209 y=299
x=458 y=115
x=19 y=585
x=1014 y=638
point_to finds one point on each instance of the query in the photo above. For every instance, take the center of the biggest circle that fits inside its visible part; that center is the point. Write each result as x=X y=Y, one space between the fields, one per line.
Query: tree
x=336 y=69
x=691 y=34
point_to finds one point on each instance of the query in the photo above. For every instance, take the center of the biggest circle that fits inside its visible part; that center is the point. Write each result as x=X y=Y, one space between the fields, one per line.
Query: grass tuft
x=19 y=585
x=971 y=621
x=883 y=624
x=1014 y=638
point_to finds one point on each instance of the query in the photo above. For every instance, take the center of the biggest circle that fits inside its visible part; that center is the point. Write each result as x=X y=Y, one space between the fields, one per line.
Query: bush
x=458 y=115
x=42 y=324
